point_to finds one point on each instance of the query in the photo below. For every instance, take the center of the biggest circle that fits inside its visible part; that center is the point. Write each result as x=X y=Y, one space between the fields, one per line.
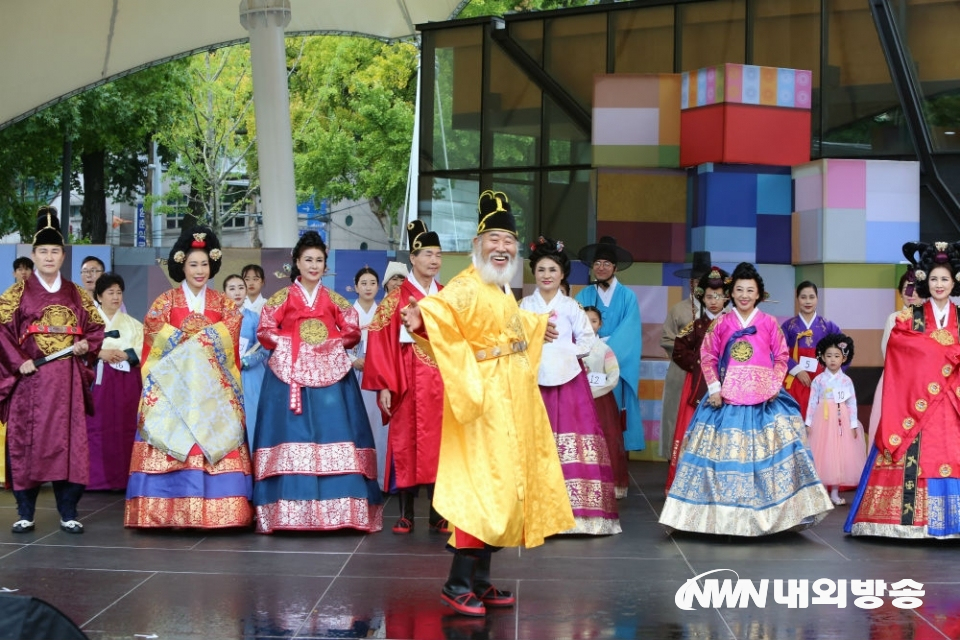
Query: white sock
x=835 y=493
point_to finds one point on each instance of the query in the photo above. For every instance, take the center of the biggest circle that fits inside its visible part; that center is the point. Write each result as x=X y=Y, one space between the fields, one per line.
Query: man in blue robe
x=621 y=328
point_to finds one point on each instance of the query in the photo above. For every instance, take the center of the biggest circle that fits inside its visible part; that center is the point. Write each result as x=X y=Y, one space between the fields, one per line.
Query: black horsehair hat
x=493 y=208
x=606 y=249
x=420 y=237
x=701 y=265
x=48 y=228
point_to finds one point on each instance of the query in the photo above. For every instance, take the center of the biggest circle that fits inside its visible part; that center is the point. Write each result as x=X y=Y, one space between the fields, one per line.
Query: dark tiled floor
x=117 y=583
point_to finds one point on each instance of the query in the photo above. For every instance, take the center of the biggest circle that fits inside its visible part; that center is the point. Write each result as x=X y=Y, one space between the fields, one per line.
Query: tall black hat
x=199 y=237
x=495 y=215
x=48 y=228
x=606 y=249
x=701 y=265
x=420 y=237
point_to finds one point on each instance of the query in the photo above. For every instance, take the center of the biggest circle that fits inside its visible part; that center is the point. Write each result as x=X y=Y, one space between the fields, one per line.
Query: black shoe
x=23 y=526
x=458 y=591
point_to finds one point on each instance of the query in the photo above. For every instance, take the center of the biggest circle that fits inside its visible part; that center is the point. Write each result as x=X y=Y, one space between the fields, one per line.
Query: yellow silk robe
x=499 y=476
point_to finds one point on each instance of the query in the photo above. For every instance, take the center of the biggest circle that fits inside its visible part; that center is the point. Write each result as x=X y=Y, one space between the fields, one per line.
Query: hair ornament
x=727 y=280
x=941 y=246
x=941 y=257
x=216 y=254
x=199 y=241
x=284 y=271
x=957 y=277
x=180 y=257
x=699 y=292
x=921 y=275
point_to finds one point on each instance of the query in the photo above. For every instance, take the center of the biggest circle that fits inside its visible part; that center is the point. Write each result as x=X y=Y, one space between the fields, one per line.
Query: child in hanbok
x=603 y=374
x=838 y=451
x=252 y=356
x=581 y=445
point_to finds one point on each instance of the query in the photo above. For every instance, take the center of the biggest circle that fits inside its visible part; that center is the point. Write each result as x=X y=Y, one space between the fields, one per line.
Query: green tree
x=212 y=150
x=30 y=159
x=352 y=106
x=478 y=8
x=112 y=126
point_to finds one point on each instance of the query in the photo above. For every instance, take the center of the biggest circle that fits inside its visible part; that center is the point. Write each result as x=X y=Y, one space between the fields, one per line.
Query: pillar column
x=265 y=21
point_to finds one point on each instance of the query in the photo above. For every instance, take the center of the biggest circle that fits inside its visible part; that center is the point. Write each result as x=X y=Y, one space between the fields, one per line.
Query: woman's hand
x=804 y=378
x=715 y=400
x=28 y=367
x=81 y=347
x=358 y=364
x=112 y=356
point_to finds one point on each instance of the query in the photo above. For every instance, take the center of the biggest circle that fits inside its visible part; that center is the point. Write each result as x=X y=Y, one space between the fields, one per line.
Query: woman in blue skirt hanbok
x=315 y=463
x=744 y=468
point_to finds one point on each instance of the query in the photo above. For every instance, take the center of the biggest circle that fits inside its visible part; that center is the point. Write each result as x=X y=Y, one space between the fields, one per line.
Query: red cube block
x=744 y=134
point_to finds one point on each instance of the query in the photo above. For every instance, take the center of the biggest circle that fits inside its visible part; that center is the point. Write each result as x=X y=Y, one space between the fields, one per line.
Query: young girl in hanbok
x=366 y=283
x=315 y=462
x=744 y=468
x=803 y=332
x=838 y=451
x=252 y=356
x=603 y=373
x=581 y=445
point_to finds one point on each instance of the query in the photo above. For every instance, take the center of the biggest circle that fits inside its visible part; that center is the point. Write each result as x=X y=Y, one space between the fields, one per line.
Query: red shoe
x=440 y=526
x=404 y=525
x=494 y=598
x=466 y=604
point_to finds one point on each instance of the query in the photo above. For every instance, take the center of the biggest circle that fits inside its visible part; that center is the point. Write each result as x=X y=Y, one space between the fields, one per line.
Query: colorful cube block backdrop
x=857 y=211
x=636 y=120
x=746 y=84
x=740 y=212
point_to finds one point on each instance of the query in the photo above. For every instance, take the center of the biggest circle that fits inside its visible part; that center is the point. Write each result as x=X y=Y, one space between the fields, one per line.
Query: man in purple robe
x=45 y=405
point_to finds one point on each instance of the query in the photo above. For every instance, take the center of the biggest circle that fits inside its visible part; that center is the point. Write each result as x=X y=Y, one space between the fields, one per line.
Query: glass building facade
x=505 y=104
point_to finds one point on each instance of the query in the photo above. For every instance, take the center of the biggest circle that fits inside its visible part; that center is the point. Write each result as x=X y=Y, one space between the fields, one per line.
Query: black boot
x=405 y=523
x=458 y=591
x=488 y=594
x=438 y=524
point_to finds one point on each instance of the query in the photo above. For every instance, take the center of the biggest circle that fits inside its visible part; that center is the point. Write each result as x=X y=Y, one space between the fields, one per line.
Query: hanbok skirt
x=252 y=380
x=875 y=413
x=380 y=431
x=612 y=423
x=837 y=455
x=745 y=470
x=584 y=457
x=317 y=470
x=112 y=427
x=165 y=492
x=684 y=415
x=895 y=501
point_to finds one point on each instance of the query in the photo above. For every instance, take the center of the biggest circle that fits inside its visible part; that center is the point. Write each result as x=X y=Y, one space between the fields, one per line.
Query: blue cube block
x=884 y=240
x=727 y=199
x=773 y=239
x=775 y=193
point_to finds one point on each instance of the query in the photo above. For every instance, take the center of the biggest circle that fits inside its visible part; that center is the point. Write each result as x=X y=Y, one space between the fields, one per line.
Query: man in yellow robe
x=499 y=481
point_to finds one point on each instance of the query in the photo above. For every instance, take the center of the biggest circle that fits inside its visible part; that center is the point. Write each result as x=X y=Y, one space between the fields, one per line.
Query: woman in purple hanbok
x=581 y=444
x=745 y=469
x=803 y=332
x=116 y=391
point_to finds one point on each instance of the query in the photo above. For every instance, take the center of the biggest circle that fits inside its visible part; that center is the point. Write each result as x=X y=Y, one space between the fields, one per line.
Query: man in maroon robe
x=409 y=384
x=46 y=406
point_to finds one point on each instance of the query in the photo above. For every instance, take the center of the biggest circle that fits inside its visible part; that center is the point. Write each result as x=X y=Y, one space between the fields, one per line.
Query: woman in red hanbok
x=190 y=464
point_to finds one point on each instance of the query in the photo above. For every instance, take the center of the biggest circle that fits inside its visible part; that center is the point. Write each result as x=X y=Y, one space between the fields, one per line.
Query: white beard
x=492 y=274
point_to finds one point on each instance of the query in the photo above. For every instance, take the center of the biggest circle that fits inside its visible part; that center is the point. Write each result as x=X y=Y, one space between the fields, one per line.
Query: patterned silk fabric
x=499 y=477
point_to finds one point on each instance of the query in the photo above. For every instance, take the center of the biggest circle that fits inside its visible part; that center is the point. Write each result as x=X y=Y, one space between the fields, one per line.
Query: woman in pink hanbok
x=744 y=468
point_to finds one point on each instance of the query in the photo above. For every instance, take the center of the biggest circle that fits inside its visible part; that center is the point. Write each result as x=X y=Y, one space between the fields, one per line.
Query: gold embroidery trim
x=944 y=337
x=57 y=315
x=10 y=302
x=279 y=297
x=339 y=300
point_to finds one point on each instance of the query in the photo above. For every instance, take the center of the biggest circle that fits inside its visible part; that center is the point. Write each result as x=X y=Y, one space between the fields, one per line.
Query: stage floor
x=118 y=583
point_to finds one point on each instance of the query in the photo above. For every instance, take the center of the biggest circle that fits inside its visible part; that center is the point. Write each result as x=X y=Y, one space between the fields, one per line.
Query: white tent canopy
x=51 y=49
